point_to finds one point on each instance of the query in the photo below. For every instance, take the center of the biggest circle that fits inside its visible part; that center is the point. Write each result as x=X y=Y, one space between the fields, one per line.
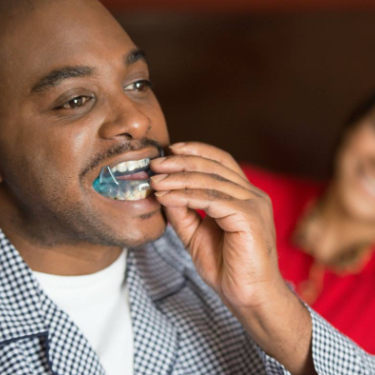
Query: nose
x=126 y=118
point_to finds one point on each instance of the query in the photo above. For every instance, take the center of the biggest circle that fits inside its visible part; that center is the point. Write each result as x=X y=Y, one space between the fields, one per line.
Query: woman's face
x=354 y=178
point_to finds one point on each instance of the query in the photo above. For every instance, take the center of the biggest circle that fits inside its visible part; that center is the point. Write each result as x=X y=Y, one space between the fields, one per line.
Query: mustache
x=120 y=149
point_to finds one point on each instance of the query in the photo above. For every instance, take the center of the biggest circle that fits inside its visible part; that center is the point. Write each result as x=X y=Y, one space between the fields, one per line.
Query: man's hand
x=233 y=247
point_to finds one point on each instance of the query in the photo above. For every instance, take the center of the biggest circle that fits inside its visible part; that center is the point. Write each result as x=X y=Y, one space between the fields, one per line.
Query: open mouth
x=129 y=180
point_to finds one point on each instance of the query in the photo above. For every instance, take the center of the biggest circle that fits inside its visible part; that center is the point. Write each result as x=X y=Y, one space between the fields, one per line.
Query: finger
x=185 y=222
x=191 y=230
x=216 y=204
x=189 y=163
x=208 y=152
x=199 y=180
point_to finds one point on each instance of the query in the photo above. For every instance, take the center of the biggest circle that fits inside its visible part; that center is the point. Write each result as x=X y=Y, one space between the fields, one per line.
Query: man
x=76 y=100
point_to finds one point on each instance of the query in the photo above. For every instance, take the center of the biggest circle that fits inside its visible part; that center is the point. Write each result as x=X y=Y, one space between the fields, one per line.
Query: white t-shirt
x=99 y=305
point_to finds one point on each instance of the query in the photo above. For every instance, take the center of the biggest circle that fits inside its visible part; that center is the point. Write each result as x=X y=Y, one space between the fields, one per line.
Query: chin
x=148 y=228
x=358 y=207
x=363 y=213
x=129 y=233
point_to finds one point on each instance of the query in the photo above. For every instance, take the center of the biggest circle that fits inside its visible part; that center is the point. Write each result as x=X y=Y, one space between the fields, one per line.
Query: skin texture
x=356 y=160
x=233 y=247
x=51 y=141
x=347 y=216
x=45 y=147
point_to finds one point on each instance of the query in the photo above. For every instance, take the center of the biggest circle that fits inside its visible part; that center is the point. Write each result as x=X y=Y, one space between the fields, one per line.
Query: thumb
x=185 y=222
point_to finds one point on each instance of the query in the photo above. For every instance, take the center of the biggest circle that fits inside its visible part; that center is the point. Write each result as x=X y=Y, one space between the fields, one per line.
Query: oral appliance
x=129 y=180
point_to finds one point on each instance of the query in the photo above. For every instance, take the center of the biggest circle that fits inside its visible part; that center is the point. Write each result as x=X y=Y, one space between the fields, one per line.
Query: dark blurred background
x=271 y=82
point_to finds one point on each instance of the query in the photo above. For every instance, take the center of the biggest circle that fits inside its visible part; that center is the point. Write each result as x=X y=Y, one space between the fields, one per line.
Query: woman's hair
x=359 y=112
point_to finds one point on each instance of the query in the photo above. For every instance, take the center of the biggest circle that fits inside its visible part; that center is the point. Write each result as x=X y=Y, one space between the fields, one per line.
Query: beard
x=54 y=219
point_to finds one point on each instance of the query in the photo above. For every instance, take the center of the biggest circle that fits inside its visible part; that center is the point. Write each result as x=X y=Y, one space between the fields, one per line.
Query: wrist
x=282 y=327
x=275 y=299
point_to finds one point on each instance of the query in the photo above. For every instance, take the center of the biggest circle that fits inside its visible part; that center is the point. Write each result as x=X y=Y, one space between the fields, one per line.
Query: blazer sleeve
x=333 y=353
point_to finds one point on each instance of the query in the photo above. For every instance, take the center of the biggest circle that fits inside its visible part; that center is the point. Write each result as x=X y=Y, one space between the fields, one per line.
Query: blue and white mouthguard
x=110 y=184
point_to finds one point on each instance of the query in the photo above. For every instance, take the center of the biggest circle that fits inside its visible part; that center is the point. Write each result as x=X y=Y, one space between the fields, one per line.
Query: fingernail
x=178 y=145
x=158 y=160
x=158 y=177
x=161 y=193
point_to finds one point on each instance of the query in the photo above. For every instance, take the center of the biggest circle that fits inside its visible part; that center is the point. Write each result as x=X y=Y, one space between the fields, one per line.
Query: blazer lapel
x=151 y=279
x=27 y=312
x=69 y=351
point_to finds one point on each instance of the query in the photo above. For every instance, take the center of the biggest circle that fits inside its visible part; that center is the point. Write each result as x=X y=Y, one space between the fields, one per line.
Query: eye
x=141 y=86
x=76 y=102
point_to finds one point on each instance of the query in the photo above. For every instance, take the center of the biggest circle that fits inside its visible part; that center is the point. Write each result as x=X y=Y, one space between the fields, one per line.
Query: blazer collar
x=20 y=305
x=161 y=266
x=26 y=311
x=154 y=272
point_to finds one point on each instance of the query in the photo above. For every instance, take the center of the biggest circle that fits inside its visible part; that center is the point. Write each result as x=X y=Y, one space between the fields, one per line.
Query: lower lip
x=143 y=206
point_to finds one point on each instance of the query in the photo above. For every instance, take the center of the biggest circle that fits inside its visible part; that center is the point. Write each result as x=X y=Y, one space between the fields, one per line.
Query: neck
x=332 y=231
x=59 y=258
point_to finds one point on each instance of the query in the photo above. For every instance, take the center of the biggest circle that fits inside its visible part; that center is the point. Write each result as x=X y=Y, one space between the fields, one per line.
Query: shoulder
x=284 y=190
x=198 y=314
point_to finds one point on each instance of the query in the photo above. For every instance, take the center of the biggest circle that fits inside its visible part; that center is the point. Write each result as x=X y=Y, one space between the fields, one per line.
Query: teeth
x=107 y=185
x=122 y=167
x=137 y=193
x=132 y=165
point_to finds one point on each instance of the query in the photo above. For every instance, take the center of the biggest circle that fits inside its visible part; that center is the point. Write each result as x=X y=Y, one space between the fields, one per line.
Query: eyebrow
x=55 y=77
x=133 y=56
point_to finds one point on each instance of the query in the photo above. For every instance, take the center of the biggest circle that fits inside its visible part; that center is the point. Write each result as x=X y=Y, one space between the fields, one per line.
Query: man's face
x=75 y=98
x=355 y=170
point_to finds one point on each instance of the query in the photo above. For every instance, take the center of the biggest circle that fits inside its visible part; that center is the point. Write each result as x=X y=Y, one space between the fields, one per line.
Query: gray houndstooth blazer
x=180 y=326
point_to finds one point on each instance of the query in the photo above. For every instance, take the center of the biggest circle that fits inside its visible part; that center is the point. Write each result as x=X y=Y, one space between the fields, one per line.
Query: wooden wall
x=240 y=5
x=272 y=89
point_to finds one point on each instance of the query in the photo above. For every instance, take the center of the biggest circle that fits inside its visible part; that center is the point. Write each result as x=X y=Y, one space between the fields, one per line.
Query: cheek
x=51 y=163
x=347 y=159
x=159 y=130
x=161 y=134
x=358 y=148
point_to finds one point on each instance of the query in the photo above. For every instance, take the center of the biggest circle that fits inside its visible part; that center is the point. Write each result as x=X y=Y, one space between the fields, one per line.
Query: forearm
x=233 y=247
x=283 y=329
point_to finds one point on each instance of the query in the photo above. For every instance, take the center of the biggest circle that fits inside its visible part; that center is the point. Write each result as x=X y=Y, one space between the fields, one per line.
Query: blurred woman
x=326 y=231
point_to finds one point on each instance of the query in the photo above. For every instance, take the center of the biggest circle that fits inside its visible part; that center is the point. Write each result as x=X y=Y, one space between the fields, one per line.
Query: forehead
x=61 y=33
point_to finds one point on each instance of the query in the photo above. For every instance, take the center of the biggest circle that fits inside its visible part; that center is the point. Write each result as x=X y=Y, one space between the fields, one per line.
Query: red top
x=347 y=302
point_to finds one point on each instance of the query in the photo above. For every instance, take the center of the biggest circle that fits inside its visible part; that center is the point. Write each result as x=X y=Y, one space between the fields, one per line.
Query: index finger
x=208 y=152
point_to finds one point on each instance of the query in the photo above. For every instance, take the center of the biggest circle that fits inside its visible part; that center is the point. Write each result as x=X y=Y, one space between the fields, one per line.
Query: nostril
x=126 y=135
